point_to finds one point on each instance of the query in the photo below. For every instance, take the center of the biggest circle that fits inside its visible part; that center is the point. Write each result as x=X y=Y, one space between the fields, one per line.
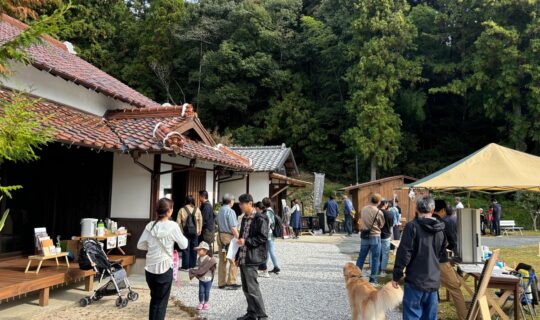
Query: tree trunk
x=373 y=169
x=534 y=217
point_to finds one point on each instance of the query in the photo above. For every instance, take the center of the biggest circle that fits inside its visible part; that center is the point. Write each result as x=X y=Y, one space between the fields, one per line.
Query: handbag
x=364 y=234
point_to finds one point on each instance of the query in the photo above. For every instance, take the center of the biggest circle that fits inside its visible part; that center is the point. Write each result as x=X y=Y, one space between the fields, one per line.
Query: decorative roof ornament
x=171 y=140
x=188 y=111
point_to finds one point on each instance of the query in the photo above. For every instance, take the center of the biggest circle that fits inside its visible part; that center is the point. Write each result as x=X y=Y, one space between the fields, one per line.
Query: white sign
x=122 y=240
x=111 y=242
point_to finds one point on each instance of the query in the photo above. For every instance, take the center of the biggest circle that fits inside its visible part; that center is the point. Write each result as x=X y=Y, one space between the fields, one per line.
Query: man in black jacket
x=207 y=211
x=449 y=277
x=419 y=251
x=253 y=251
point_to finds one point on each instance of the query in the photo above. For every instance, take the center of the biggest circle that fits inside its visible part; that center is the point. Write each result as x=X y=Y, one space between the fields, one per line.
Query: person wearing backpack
x=190 y=221
x=157 y=240
x=275 y=231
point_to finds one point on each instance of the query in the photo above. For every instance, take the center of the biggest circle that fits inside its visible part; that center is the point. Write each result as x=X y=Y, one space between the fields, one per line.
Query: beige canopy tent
x=493 y=169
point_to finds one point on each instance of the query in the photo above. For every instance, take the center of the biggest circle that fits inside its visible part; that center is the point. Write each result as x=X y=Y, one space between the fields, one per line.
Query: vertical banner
x=318 y=189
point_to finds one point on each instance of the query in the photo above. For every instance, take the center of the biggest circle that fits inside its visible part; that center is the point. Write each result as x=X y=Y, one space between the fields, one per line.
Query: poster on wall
x=111 y=242
x=122 y=240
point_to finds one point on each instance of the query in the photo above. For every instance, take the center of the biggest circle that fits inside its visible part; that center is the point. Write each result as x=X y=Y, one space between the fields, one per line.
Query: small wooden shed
x=387 y=187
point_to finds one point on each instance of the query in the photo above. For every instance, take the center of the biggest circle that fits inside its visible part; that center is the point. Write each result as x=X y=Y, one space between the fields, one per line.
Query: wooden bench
x=509 y=225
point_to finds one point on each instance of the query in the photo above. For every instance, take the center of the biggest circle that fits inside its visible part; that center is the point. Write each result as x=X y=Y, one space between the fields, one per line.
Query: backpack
x=277 y=231
x=190 y=229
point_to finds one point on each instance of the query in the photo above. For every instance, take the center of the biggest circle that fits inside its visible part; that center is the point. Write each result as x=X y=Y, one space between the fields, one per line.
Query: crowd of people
x=433 y=233
x=193 y=233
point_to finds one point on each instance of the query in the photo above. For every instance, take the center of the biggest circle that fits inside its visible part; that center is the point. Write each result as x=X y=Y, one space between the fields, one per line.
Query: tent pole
x=469 y=199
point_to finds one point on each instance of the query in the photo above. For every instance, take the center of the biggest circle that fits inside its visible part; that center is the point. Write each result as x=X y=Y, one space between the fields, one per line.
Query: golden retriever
x=368 y=303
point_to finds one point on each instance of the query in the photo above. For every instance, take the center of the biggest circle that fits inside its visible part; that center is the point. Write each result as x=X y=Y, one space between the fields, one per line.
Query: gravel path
x=512 y=241
x=310 y=286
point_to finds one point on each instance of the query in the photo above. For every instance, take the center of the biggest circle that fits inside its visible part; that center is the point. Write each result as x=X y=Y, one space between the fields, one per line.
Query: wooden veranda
x=14 y=282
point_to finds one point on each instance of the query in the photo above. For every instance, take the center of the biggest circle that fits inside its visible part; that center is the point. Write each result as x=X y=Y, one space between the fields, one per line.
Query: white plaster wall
x=235 y=188
x=131 y=187
x=45 y=85
x=165 y=181
x=210 y=186
x=259 y=185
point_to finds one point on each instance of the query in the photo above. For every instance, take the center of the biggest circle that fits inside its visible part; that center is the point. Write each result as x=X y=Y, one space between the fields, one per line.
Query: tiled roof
x=51 y=57
x=137 y=134
x=72 y=126
x=266 y=158
x=134 y=131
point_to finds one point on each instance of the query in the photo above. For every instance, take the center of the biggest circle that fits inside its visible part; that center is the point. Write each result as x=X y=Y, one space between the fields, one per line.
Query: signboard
x=122 y=240
x=111 y=242
x=318 y=189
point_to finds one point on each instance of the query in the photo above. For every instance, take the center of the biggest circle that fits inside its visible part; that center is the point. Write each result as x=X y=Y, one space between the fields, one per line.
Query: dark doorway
x=62 y=187
x=185 y=183
x=179 y=191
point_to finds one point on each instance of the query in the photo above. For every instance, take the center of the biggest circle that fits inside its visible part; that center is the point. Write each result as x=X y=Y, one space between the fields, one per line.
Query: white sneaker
x=382 y=274
x=264 y=274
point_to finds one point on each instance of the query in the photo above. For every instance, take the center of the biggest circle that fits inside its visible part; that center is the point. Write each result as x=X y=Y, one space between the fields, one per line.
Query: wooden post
x=479 y=304
x=44 y=297
x=89 y=283
x=154 y=188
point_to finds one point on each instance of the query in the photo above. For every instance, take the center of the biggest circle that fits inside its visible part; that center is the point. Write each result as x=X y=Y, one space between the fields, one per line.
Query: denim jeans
x=189 y=255
x=385 y=252
x=373 y=246
x=272 y=253
x=419 y=305
x=348 y=224
x=204 y=291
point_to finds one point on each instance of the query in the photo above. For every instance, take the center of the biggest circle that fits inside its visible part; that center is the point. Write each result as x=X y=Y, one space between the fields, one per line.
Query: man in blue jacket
x=348 y=212
x=331 y=208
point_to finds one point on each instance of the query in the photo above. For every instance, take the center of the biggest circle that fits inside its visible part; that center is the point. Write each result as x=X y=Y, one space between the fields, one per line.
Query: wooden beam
x=279 y=191
x=247 y=183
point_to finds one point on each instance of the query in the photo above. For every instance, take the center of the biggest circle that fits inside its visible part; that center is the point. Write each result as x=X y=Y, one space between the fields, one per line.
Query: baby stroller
x=92 y=256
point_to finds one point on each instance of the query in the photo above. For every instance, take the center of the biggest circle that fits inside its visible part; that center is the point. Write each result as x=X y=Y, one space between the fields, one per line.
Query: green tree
x=530 y=201
x=382 y=40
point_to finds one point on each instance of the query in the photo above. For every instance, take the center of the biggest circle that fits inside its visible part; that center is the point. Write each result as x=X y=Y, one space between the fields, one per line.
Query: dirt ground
x=106 y=309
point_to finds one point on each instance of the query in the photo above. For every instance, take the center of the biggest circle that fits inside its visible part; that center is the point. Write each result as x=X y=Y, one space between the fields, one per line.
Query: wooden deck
x=15 y=282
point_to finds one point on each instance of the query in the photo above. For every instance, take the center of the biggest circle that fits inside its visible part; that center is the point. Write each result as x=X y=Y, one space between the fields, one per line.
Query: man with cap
x=227 y=230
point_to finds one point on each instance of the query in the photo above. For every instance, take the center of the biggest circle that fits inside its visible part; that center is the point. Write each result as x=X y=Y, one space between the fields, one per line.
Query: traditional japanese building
x=274 y=174
x=115 y=151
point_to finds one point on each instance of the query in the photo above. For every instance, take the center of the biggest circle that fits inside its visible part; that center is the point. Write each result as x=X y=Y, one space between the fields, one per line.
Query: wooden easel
x=479 y=304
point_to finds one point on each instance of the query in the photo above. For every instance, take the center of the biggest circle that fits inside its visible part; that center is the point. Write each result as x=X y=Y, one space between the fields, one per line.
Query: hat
x=203 y=245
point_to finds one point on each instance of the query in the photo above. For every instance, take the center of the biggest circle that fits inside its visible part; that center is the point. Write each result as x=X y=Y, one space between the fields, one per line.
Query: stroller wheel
x=133 y=296
x=84 y=302
x=121 y=302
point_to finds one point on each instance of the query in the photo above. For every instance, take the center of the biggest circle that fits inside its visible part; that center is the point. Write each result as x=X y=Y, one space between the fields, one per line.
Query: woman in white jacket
x=158 y=240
